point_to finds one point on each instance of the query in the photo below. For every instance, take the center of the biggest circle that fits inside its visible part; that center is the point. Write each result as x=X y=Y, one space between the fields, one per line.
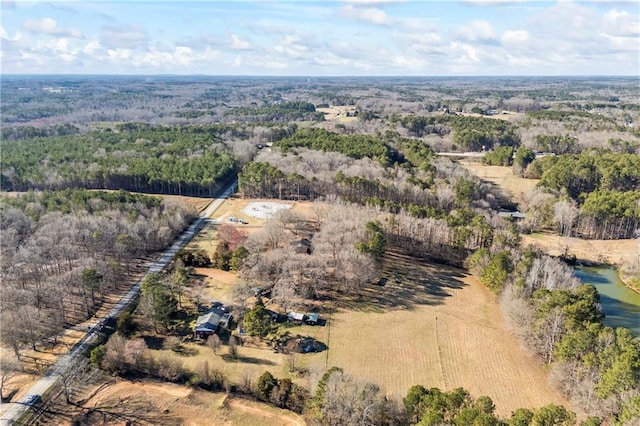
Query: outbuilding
x=312 y=318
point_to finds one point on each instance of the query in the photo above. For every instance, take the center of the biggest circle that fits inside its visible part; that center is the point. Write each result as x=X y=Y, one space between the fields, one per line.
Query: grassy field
x=151 y=403
x=435 y=326
x=512 y=186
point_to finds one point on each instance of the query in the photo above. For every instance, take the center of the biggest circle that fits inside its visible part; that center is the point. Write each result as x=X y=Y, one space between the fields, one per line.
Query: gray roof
x=208 y=321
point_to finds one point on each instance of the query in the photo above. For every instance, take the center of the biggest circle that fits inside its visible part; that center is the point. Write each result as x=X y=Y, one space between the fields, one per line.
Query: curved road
x=17 y=409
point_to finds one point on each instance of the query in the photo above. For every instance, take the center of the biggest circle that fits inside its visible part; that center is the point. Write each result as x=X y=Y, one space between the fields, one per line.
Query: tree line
x=561 y=321
x=188 y=160
x=598 y=190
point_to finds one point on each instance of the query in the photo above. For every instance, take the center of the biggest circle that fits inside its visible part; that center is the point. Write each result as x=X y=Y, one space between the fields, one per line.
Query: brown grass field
x=512 y=186
x=153 y=403
x=437 y=326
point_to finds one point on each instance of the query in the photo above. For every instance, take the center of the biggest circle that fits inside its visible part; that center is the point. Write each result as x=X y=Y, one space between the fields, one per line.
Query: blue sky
x=322 y=38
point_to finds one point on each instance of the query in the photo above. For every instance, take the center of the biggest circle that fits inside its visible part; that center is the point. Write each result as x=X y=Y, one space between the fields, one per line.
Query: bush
x=97 y=355
x=266 y=383
x=125 y=324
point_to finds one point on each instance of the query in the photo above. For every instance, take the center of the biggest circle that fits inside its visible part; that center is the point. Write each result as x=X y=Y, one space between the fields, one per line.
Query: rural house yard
x=429 y=324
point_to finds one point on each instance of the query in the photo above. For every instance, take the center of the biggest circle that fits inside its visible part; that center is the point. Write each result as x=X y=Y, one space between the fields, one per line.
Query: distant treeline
x=469 y=133
x=280 y=112
x=187 y=160
x=604 y=185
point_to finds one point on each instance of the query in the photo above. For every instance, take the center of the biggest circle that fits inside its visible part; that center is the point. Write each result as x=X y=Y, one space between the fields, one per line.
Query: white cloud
x=493 y=2
x=291 y=46
x=49 y=26
x=515 y=37
x=372 y=15
x=476 y=31
x=373 y=2
x=5 y=36
x=621 y=24
x=238 y=44
x=92 y=47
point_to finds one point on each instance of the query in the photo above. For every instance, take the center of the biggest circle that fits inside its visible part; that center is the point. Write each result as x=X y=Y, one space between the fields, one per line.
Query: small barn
x=312 y=318
x=295 y=317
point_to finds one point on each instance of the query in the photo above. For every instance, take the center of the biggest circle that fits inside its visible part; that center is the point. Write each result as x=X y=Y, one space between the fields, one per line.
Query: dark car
x=34 y=399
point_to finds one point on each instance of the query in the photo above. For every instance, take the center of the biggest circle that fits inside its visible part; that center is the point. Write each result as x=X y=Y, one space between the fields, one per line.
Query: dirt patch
x=265 y=209
x=150 y=403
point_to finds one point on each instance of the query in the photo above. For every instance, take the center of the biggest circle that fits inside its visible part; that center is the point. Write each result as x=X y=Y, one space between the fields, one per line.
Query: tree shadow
x=408 y=282
x=247 y=360
x=153 y=342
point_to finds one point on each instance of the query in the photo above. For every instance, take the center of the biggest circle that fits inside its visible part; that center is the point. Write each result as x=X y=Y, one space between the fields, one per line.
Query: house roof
x=295 y=316
x=515 y=215
x=208 y=321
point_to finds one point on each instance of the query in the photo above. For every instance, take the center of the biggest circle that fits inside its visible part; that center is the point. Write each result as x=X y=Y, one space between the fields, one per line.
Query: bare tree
x=9 y=366
x=213 y=342
x=565 y=214
x=76 y=376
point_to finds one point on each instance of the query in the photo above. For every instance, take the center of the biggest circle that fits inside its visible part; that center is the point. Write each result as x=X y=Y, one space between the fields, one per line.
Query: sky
x=321 y=38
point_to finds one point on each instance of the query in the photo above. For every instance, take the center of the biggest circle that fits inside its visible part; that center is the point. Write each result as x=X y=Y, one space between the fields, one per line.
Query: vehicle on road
x=34 y=399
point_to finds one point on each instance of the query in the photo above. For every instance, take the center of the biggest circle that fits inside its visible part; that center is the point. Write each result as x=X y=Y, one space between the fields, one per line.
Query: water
x=621 y=306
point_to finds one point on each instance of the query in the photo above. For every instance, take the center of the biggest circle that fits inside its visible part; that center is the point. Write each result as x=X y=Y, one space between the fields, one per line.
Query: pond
x=621 y=305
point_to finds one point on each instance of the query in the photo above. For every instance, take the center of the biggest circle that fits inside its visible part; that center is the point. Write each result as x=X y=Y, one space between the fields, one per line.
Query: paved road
x=17 y=409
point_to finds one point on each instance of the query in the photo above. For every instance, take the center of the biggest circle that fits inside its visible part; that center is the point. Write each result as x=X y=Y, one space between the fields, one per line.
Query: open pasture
x=437 y=326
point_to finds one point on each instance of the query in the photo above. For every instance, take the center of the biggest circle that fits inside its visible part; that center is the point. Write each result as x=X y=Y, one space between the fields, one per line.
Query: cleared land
x=512 y=186
x=151 y=403
x=430 y=324
x=435 y=326
x=615 y=252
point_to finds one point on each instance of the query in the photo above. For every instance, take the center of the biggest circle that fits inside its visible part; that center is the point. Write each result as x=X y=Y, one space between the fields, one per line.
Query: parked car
x=34 y=399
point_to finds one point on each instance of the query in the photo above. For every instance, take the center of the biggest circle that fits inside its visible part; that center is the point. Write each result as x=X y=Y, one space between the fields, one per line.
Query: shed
x=516 y=216
x=295 y=317
x=312 y=318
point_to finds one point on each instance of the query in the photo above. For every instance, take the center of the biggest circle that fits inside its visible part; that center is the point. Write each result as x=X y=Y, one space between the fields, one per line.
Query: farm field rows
x=447 y=333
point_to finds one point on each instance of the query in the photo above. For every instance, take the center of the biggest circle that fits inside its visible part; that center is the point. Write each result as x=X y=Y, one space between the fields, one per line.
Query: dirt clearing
x=151 y=403
x=615 y=252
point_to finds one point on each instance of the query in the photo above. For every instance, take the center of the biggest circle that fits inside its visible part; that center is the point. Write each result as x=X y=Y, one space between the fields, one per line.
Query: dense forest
x=191 y=160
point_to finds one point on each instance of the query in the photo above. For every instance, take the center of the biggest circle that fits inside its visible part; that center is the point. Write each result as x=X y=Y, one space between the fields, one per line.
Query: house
x=211 y=322
x=312 y=318
x=515 y=216
x=295 y=317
